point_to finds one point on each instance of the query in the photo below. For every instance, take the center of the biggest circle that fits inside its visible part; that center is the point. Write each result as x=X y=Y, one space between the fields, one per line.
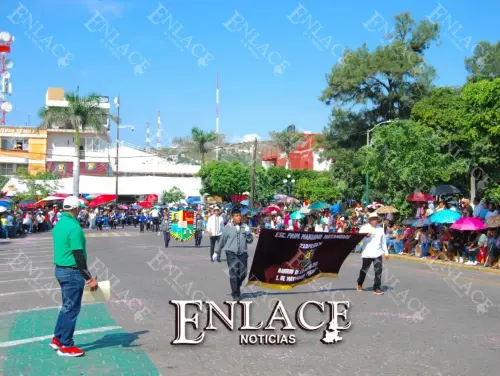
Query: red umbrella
x=146 y=204
x=101 y=200
x=271 y=208
x=420 y=197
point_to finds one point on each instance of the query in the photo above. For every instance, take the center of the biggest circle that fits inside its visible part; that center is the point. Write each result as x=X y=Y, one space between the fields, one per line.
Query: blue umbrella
x=422 y=222
x=445 y=216
x=244 y=202
x=5 y=204
x=297 y=215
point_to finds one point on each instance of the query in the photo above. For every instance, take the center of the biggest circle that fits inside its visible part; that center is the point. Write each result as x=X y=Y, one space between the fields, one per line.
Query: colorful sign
x=285 y=259
x=182 y=224
x=65 y=169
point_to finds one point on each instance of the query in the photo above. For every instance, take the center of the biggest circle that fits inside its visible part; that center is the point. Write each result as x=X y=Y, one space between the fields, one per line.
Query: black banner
x=285 y=259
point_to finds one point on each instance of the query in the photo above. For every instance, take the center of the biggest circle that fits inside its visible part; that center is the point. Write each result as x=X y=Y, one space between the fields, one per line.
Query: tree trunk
x=76 y=164
x=472 y=185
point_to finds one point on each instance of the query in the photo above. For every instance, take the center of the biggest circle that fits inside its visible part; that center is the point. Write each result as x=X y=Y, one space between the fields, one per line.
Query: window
x=8 y=169
x=11 y=143
x=94 y=144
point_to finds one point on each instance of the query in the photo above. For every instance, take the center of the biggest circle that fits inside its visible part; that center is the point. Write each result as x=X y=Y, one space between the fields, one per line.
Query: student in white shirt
x=374 y=246
x=215 y=225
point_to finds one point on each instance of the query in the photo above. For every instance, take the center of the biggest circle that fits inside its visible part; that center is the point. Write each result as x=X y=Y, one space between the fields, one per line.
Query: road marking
x=28 y=292
x=26 y=279
x=39 y=309
x=50 y=336
x=26 y=253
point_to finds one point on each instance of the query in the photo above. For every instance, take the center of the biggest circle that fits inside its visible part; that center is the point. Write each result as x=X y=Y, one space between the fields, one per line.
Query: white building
x=140 y=172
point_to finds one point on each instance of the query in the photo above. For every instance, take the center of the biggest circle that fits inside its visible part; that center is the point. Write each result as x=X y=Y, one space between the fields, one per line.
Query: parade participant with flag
x=374 y=246
x=70 y=259
x=233 y=241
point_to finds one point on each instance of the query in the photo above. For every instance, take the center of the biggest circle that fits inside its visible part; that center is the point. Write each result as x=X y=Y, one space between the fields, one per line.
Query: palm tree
x=81 y=114
x=203 y=141
x=287 y=141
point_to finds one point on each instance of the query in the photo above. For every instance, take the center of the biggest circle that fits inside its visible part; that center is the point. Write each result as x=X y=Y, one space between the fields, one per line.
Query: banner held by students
x=285 y=259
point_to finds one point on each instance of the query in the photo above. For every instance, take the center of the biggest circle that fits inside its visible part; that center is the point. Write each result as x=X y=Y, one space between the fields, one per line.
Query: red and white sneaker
x=55 y=344
x=72 y=351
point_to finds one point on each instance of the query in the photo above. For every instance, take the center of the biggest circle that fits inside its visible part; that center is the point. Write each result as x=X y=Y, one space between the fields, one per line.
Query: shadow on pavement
x=262 y=293
x=112 y=340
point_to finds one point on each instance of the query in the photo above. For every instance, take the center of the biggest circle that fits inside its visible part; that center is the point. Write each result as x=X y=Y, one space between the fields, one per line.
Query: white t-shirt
x=154 y=213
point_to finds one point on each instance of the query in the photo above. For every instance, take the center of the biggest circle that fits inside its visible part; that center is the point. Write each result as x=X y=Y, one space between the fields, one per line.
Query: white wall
x=127 y=185
x=60 y=148
x=320 y=166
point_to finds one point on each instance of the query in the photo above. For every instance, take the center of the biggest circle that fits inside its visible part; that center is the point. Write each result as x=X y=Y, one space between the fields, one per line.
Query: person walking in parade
x=198 y=230
x=234 y=240
x=374 y=246
x=215 y=225
x=70 y=259
x=165 y=228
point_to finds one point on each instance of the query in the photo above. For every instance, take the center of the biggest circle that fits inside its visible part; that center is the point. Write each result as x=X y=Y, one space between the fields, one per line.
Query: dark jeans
x=377 y=265
x=237 y=271
x=156 y=224
x=213 y=241
x=197 y=237
x=142 y=227
x=166 y=238
x=72 y=284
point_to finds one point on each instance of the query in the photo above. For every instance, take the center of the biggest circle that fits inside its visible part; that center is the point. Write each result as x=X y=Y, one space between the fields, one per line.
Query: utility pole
x=252 y=178
x=117 y=104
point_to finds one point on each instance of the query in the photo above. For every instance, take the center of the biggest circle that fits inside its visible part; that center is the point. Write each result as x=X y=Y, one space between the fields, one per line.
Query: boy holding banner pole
x=233 y=241
x=374 y=246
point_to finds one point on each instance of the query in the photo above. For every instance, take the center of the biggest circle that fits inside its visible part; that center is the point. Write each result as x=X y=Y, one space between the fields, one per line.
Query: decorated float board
x=182 y=224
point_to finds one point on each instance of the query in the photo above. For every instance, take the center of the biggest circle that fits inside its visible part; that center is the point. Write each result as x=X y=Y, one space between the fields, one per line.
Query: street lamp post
x=289 y=182
x=367 y=188
x=117 y=104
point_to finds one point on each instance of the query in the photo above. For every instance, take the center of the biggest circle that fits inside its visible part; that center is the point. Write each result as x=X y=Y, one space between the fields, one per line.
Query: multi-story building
x=304 y=157
x=140 y=172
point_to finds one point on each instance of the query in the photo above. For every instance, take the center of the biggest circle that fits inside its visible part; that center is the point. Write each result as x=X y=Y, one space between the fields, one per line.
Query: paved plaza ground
x=433 y=320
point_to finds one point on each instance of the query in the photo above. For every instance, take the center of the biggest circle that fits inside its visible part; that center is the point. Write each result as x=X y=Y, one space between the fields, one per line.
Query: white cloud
x=250 y=137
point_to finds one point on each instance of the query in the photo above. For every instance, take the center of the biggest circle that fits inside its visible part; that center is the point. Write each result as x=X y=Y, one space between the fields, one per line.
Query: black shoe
x=236 y=297
x=218 y=260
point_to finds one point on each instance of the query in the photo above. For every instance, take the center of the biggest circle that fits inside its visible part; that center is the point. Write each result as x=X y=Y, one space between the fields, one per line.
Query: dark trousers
x=99 y=226
x=197 y=237
x=237 y=271
x=377 y=265
x=141 y=227
x=156 y=224
x=72 y=285
x=124 y=221
x=213 y=241
x=166 y=238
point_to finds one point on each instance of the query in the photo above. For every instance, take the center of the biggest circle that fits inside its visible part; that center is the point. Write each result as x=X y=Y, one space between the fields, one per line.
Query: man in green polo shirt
x=70 y=259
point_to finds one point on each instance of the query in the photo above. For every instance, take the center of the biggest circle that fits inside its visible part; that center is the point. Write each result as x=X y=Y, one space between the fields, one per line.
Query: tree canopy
x=38 y=186
x=173 y=195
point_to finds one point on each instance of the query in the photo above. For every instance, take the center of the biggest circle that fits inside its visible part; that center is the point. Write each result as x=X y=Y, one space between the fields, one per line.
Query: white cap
x=373 y=215
x=71 y=202
x=216 y=208
x=274 y=212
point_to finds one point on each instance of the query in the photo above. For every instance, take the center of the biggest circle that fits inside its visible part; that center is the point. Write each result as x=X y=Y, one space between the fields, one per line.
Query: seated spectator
x=493 y=249
x=492 y=211
x=455 y=246
x=398 y=243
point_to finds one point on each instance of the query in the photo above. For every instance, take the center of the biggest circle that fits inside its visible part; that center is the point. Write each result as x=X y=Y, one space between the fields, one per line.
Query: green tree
x=383 y=84
x=3 y=181
x=224 y=179
x=320 y=188
x=406 y=157
x=81 y=114
x=38 y=186
x=484 y=64
x=287 y=141
x=203 y=141
x=173 y=195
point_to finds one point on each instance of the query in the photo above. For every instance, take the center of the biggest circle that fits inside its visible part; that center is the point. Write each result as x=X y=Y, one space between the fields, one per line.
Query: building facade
x=305 y=157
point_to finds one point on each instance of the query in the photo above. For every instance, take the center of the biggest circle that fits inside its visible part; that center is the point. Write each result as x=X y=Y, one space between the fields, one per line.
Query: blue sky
x=175 y=71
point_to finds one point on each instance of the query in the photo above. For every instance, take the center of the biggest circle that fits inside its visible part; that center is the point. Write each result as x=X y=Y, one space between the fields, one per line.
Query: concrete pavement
x=433 y=320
